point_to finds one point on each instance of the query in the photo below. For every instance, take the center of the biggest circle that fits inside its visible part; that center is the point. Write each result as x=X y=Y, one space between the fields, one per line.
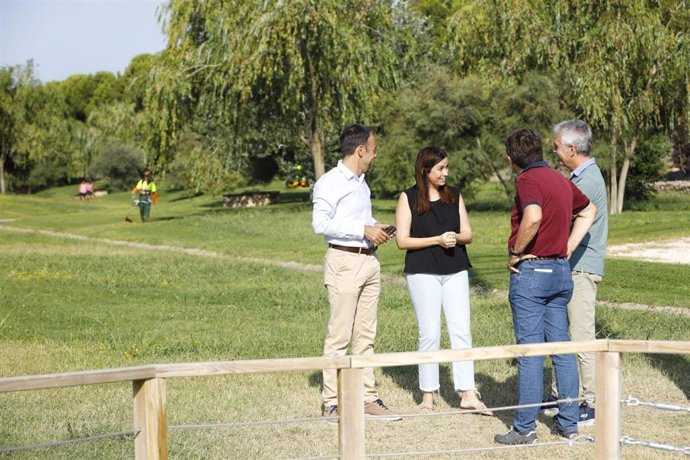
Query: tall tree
x=614 y=56
x=7 y=120
x=313 y=64
x=32 y=128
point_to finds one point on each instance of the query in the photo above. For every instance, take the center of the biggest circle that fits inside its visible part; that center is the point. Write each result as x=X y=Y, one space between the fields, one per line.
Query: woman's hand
x=447 y=240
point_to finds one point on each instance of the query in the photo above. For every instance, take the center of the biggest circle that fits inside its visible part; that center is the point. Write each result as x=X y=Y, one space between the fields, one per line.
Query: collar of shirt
x=577 y=171
x=347 y=172
x=536 y=164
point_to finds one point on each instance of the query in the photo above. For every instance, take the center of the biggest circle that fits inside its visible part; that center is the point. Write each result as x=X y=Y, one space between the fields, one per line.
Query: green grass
x=70 y=305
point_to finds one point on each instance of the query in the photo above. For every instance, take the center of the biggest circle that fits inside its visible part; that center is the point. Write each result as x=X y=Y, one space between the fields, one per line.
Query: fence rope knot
x=580 y=439
x=653 y=445
x=632 y=402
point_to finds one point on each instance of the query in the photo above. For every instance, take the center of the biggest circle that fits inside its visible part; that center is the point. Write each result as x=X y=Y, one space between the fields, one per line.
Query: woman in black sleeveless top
x=434 y=228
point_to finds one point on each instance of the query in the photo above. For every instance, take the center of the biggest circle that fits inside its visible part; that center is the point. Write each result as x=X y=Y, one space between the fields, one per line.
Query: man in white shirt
x=352 y=273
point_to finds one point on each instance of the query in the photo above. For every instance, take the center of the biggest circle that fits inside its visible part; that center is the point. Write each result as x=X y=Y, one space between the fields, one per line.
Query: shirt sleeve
x=529 y=192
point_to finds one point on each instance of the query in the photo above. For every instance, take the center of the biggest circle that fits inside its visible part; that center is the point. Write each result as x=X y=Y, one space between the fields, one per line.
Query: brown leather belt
x=365 y=251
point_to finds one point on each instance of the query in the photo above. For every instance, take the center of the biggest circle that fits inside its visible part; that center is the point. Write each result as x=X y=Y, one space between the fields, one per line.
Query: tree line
x=244 y=92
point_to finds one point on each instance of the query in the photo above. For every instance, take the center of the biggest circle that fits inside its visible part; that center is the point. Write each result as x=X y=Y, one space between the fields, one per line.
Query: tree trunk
x=2 y=173
x=494 y=168
x=629 y=152
x=316 y=141
x=613 y=176
x=313 y=137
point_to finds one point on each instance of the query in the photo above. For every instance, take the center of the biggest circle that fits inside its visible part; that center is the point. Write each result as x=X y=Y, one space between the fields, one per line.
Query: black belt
x=544 y=258
x=365 y=251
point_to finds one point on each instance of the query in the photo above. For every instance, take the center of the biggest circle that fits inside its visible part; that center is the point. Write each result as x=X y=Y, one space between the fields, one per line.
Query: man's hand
x=514 y=260
x=376 y=234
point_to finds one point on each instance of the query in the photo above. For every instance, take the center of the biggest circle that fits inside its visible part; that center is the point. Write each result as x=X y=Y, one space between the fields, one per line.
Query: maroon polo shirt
x=559 y=200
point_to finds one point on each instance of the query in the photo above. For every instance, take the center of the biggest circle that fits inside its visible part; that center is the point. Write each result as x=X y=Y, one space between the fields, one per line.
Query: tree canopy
x=617 y=59
x=311 y=65
x=248 y=90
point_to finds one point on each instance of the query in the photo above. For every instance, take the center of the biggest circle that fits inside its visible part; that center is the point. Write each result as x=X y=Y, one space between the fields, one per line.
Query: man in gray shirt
x=572 y=145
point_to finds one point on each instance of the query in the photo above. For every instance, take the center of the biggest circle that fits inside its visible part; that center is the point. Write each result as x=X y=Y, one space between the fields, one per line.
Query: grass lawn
x=68 y=304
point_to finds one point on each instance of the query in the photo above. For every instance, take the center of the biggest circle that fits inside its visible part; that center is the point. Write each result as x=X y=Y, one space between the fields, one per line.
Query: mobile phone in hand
x=390 y=230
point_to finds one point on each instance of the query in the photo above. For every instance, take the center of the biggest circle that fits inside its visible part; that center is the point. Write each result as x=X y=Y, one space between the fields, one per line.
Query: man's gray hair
x=575 y=133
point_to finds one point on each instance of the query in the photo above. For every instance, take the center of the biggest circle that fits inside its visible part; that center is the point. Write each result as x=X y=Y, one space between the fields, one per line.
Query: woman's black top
x=441 y=218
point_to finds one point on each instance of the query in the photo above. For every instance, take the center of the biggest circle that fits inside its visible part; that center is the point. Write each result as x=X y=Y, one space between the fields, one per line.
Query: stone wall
x=250 y=199
x=672 y=186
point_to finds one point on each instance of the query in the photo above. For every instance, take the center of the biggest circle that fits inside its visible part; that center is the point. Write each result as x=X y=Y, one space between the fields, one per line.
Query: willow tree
x=311 y=64
x=615 y=59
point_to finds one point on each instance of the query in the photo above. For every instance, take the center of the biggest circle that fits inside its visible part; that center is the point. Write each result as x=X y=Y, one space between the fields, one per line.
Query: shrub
x=120 y=165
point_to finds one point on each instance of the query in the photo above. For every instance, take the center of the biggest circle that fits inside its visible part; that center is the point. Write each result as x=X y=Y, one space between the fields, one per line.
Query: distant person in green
x=147 y=194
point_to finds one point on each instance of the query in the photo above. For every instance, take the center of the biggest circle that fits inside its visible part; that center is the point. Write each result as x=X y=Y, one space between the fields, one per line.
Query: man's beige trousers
x=353 y=282
x=582 y=327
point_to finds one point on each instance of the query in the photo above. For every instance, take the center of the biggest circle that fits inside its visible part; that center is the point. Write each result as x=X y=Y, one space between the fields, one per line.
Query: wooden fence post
x=151 y=418
x=351 y=411
x=609 y=389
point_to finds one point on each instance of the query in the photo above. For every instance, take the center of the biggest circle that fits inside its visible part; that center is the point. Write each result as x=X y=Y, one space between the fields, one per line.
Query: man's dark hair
x=523 y=146
x=352 y=137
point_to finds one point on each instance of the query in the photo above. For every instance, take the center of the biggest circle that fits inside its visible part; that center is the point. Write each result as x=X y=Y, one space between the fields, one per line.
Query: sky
x=67 y=37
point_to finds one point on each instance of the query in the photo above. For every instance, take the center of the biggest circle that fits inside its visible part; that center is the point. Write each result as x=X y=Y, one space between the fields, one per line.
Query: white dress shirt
x=342 y=207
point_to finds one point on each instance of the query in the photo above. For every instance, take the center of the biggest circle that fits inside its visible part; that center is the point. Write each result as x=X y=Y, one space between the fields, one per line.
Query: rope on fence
x=580 y=440
x=494 y=409
x=653 y=445
x=69 y=441
x=290 y=421
x=632 y=402
x=200 y=426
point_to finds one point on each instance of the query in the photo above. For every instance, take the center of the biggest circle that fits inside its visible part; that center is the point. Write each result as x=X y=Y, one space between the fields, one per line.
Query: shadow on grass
x=494 y=393
x=166 y=218
x=185 y=197
x=675 y=367
x=485 y=277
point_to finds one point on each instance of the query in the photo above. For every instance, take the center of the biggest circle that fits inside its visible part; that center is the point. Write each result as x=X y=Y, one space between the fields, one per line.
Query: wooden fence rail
x=149 y=395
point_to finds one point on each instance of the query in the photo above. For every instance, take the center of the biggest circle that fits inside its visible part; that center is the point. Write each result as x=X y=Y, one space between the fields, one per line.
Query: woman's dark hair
x=427 y=158
x=146 y=172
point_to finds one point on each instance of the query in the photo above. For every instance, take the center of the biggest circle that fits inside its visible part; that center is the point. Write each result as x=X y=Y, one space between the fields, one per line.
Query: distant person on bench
x=83 y=190
x=89 y=189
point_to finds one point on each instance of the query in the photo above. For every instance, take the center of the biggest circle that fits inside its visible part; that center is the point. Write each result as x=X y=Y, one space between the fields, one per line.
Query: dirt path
x=680 y=253
x=669 y=252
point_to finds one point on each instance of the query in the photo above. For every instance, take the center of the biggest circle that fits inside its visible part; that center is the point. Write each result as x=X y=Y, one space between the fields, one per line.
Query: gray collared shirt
x=589 y=255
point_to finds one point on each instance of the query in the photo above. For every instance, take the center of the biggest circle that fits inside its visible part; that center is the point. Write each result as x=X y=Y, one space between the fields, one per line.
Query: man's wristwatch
x=512 y=252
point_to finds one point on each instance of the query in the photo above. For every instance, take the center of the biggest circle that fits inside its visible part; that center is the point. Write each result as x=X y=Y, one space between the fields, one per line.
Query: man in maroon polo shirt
x=550 y=216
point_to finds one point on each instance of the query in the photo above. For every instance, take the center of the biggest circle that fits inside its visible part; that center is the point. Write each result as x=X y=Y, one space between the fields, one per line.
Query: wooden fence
x=149 y=395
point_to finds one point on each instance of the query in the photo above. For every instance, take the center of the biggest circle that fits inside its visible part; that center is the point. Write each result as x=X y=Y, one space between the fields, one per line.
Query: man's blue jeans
x=539 y=297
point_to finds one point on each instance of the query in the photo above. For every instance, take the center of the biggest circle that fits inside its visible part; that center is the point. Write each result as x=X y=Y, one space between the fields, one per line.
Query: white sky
x=67 y=37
